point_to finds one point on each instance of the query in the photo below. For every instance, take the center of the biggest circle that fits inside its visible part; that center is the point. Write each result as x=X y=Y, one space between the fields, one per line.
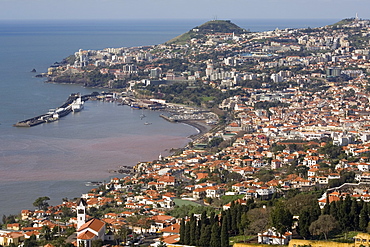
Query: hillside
x=343 y=22
x=210 y=27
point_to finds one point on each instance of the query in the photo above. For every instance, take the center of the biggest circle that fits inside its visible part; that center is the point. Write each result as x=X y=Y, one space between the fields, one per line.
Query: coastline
x=80 y=143
x=201 y=126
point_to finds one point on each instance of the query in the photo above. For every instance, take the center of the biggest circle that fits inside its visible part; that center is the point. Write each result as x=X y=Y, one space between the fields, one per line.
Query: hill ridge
x=209 y=27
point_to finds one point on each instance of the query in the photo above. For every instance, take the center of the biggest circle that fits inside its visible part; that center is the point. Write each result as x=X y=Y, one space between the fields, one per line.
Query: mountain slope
x=210 y=27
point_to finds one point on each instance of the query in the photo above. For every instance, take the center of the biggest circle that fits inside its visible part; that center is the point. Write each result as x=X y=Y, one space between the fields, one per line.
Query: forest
x=300 y=214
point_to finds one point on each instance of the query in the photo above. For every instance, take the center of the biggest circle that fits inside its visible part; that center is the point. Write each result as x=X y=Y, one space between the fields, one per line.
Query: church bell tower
x=81 y=212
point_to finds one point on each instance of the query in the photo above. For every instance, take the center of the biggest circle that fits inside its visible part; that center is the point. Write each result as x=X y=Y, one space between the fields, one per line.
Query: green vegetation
x=220 y=26
x=41 y=202
x=214 y=230
x=180 y=202
x=95 y=78
x=69 y=60
x=210 y=27
x=343 y=22
x=226 y=199
x=243 y=220
x=181 y=93
x=240 y=238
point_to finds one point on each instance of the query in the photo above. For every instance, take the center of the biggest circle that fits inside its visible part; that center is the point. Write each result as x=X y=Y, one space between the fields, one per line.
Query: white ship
x=77 y=105
x=94 y=183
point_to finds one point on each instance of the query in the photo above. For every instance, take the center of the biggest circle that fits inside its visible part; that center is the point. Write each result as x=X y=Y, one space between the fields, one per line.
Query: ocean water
x=56 y=159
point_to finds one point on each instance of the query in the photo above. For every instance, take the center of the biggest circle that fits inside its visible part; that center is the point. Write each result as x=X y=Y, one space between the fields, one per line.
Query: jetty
x=54 y=115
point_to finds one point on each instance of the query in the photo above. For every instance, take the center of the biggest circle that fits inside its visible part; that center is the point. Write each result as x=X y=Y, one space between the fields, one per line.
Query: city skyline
x=191 y=9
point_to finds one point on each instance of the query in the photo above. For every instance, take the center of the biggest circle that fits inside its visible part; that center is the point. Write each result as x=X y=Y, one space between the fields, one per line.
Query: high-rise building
x=333 y=72
x=209 y=69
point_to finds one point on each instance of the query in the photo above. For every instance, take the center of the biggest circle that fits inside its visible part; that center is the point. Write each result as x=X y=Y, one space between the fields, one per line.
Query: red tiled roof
x=93 y=224
x=86 y=235
x=175 y=228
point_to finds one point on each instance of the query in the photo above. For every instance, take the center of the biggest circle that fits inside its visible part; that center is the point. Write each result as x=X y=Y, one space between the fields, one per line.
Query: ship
x=77 y=105
x=94 y=183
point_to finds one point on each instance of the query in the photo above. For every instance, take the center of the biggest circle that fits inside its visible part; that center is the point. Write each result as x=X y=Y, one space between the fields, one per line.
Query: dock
x=54 y=115
x=169 y=119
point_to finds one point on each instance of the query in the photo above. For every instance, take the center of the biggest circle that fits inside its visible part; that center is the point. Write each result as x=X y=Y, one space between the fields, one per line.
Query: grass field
x=180 y=202
x=239 y=239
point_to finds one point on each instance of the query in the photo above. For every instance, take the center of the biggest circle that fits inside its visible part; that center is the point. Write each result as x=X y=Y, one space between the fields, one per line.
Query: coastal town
x=284 y=143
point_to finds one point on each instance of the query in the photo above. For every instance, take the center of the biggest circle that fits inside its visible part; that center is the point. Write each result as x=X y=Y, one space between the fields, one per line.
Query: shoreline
x=201 y=126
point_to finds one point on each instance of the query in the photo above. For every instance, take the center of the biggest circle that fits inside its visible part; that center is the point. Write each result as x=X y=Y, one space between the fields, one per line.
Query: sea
x=57 y=159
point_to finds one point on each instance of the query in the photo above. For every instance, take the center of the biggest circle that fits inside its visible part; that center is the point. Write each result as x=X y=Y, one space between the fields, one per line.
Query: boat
x=77 y=105
x=147 y=123
x=51 y=119
x=93 y=183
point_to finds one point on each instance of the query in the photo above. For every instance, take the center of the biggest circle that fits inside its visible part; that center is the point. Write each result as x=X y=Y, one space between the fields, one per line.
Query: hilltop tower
x=81 y=212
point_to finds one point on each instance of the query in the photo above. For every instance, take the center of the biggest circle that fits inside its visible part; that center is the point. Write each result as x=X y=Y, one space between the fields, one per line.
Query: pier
x=169 y=119
x=54 y=115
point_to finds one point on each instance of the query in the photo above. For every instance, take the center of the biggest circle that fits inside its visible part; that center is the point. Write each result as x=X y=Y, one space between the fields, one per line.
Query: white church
x=88 y=231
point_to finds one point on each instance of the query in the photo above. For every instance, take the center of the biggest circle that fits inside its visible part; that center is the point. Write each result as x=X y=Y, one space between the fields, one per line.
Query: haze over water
x=56 y=159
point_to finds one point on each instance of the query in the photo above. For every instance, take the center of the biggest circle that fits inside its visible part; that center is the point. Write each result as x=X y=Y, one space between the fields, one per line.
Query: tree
x=304 y=224
x=324 y=225
x=30 y=242
x=330 y=150
x=224 y=233
x=214 y=142
x=141 y=221
x=205 y=235
x=41 y=203
x=364 y=218
x=215 y=236
x=145 y=222
x=334 y=210
x=193 y=228
x=244 y=223
x=281 y=218
x=187 y=235
x=258 y=218
x=297 y=203
x=46 y=232
x=354 y=215
x=121 y=234
x=9 y=219
x=326 y=209
x=97 y=243
x=344 y=219
x=182 y=231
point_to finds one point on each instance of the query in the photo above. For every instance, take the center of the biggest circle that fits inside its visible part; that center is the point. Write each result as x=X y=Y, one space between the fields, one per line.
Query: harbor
x=74 y=103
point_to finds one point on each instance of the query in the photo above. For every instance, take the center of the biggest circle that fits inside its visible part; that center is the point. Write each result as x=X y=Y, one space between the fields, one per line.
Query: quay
x=169 y=119
x=54 y=115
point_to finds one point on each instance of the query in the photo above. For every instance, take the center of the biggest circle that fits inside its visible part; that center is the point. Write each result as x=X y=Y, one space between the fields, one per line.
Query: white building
x=89 y=231
x=272 y=237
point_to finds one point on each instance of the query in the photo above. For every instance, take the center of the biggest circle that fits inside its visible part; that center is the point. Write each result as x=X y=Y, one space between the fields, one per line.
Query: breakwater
x=53 y=115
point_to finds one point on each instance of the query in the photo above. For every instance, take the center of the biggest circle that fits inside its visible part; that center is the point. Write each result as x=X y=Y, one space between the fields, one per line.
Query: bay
x=56 y=159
